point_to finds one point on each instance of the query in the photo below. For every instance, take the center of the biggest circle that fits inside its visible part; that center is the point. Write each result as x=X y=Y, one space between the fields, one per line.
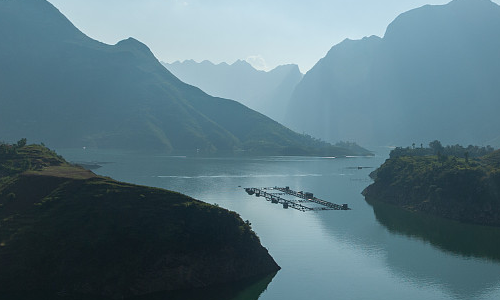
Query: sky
x=266 y=33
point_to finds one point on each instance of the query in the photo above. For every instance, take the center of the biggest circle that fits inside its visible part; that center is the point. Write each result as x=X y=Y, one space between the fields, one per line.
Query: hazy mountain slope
x=331 y=96
x=435 y=74
x=266 y=92
x=67 y=90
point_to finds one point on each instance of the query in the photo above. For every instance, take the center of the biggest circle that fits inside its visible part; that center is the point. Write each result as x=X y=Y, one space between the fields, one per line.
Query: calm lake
x=369 y=252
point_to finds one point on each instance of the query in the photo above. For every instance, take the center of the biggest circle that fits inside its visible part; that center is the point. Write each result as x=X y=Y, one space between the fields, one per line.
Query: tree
x=442 y=158
x=22 y=142
x=436 y=146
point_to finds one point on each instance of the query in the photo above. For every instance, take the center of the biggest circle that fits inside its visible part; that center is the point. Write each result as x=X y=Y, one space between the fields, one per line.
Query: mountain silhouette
x=434 y=75
x=65 y=89
x=266 y=92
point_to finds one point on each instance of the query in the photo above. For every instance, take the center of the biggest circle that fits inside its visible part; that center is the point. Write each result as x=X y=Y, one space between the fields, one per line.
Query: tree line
x=436 y=148
x=7 y=150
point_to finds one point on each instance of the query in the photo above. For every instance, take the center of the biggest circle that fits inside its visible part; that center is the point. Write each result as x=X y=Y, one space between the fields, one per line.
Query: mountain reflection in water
x=250 y=289
x=447 y=235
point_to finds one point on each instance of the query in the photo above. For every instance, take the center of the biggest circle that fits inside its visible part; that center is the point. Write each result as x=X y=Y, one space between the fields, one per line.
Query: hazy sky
x=266 y=33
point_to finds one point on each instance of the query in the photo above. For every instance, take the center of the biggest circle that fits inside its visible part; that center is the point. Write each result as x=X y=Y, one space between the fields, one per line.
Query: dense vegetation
x=62 y=228
x=17 y=158
x=466 y=189
x=86 y=93
x=436 y=148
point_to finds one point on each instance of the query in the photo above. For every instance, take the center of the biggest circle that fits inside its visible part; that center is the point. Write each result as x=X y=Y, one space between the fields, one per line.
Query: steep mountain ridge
x=266 y=92
x=65 y=89
x=434 y=74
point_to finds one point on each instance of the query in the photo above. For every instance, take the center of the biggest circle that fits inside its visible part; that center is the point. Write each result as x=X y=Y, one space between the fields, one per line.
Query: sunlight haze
x=265 y=33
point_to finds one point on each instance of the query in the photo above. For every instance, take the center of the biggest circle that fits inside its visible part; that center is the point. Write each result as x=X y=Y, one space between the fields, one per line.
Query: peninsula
x=453 y=182
x=65 y=229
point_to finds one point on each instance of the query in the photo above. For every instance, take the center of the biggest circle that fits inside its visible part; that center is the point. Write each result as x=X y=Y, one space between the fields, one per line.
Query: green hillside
x=63 y=228
x=460 y=188
x=68 y=90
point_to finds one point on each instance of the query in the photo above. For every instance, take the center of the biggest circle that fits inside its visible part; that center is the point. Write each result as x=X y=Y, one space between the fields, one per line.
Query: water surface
x=369 y=252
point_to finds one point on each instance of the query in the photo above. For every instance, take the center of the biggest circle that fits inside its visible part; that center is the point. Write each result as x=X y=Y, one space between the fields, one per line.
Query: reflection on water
x=250 y=289
x=244 y=290
x=366 y=253
x=239 y=176
x=447 y=235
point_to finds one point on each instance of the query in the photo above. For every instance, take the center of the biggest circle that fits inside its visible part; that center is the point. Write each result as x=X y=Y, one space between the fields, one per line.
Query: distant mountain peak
x=241 y=61
x=470 y=6
x=62 y=87
x=45 y=21
x=289 y=68
x=371 y=37
x=432 y=59
x=265 y=91
x=242 y=64
x=471 y=2
x=138 y=48
x=431 y=18
x=133 y=44
x=204 y=62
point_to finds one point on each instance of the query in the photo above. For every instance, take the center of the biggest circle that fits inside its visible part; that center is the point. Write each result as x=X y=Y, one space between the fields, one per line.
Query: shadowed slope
x=63 y=228
x=435 y=74
x=68 y=90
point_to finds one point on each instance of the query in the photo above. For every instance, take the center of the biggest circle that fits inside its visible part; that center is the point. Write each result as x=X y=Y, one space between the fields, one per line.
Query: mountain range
x=435 y=74
x=265 y=92
x=65 y=89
